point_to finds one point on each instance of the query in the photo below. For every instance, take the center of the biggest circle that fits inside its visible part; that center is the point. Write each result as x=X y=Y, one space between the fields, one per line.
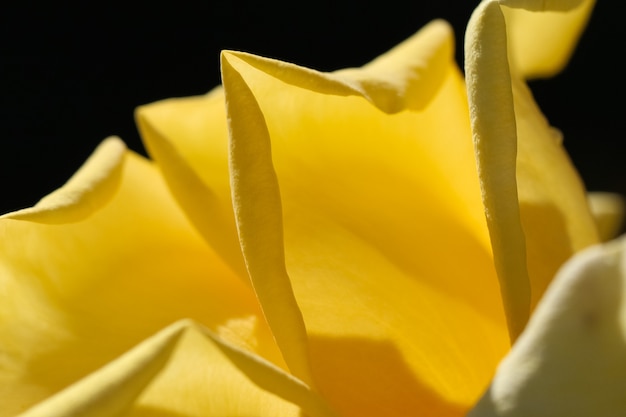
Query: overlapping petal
x=185 y=369
x=358 y=217
x=380 y=307
x=76 y=295
x=570 y=360
x=534 y=200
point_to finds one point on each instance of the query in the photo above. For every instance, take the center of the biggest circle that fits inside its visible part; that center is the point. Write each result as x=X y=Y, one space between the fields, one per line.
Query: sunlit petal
x=534 y=200
x=184 y=370
x=374 y=311
x=495 y=139
x=81 y=293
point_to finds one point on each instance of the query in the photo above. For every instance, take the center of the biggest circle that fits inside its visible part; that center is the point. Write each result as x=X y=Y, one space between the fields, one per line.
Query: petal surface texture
x=538 y=215
x=571 y=359
x=376 y=246
x=82 y=293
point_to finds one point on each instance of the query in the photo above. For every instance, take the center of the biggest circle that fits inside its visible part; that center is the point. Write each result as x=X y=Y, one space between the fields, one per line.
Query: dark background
x=72 y=76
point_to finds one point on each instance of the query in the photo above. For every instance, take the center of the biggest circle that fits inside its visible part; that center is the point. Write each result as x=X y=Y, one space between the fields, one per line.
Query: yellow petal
x=88 y=190
x=406 y=77
x=542 y=43
x=555 y=215
x=534 y=200
x=81 y=293
x=495 y=140
x=571 y=359
x=377 y=247
x=608 y=212
x=257 y=205
x=188 y=140
x=185 y=370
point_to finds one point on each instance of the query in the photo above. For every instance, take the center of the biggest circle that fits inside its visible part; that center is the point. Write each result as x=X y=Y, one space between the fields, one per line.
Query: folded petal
x=495 y=139
x=185 y=369
x=571 y=359
x=188 y=140
x=406 y=77
x=81 y=293
x=542 y=43
x=382 y=222
x=535 y=202
x=88 y=190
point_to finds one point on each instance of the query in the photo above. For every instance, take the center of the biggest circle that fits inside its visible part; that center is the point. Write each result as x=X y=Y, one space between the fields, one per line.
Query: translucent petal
x=406 y=77
x=81 y=293
x=377 y=247
x=542 y=43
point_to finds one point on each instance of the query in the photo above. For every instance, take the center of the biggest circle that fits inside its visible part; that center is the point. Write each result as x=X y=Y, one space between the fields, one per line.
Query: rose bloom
x=366 y=242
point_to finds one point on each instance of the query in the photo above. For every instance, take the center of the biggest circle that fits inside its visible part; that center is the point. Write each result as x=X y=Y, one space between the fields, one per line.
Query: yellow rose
x=323 y=244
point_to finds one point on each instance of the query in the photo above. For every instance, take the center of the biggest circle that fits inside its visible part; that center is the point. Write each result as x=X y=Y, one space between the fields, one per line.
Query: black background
x=70 y=76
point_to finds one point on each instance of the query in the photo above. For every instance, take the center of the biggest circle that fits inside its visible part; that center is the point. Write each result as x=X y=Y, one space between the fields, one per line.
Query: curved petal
x=571 y=359
x=184 y=370
x=406 y=77
x=89 y=189
x=542 y=43
x=376 y=246
x=81 y=293
x=495 y=139
x=187 y=138
x=538 y=215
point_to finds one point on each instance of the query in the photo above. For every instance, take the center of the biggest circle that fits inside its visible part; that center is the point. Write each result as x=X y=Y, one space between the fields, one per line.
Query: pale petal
x=571 y=359
x=542 y=43
x=79 y=294
x=377 y=247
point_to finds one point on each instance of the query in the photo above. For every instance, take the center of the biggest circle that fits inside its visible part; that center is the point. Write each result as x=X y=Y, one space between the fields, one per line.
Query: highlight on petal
x=406 y=77
x=571 y=359
x=90 y=188
x=81 y=293
x=544 y=194
x=362 y=192
x=608 y=211
x=542 y=34
x=186 y=370
x=257 y=205
x=495 y=140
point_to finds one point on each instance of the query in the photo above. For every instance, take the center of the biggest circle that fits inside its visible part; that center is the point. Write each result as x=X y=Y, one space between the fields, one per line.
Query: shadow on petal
x=548 y=245
x=361 y=377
